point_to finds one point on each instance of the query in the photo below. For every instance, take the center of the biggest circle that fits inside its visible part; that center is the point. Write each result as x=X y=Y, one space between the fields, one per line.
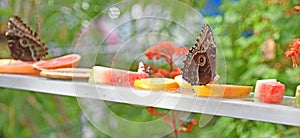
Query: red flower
x=153 y=111
x=166 y=50
x=175 y=72
x=293 y=51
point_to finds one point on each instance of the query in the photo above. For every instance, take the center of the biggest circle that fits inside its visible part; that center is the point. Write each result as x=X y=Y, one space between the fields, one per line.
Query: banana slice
x=66 y=73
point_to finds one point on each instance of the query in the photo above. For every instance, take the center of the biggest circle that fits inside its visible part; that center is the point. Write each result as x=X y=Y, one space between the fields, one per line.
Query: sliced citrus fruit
x=66 y=73
x=10 y=66
x=182 y=82
x=222 y=90
x=156 y=84
x=67 y=61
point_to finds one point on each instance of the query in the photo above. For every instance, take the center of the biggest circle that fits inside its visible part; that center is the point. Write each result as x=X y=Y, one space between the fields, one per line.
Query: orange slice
x=182 y=82
x=67 y=61
x=222 y=90
x=10 y=66
x=156 y=84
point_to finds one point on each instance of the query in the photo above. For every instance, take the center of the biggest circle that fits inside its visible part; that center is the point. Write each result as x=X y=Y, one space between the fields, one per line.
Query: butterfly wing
x=199 y=65
x=16 y=25
x=189 y=69
x=23 y=43
x=210 y=48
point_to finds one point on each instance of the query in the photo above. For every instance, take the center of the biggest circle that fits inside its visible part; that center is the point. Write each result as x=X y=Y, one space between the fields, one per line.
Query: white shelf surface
x=244 y=108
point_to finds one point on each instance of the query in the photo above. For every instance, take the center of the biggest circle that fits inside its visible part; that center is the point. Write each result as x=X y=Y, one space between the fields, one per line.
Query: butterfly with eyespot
x=200 y=63
x=23 y=43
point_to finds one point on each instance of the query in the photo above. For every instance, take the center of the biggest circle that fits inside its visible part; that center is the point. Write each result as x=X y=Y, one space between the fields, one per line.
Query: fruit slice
x=10 y=66
x=7 y=61
x=222 y=90
x=105 y=75
x=156 y=84
x=67 y=61
x=66 y=73
x=182 y=82
x=259 y=83
x=271 y=92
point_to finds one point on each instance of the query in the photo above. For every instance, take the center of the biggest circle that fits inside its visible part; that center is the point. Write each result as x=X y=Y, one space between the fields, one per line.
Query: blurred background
x=253 y=36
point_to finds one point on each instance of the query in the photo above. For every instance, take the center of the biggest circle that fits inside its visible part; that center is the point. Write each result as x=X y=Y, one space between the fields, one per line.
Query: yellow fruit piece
x=222 y=90
x=7 y=61
x=66 y=73
x=182 y=82
x=156 y=84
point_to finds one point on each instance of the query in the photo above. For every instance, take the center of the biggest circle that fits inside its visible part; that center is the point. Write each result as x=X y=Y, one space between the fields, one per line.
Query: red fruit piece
x=67 y=61
x=271 y=92
x=111 y=76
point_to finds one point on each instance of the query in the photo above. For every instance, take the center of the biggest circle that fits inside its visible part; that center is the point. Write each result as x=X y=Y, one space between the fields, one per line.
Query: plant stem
x=174 y=124
x=170 y=61
x=171 y=66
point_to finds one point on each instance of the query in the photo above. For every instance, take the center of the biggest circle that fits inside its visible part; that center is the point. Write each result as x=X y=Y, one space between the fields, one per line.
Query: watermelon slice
x=271 y=92
x=105 y=75
x=258 y=85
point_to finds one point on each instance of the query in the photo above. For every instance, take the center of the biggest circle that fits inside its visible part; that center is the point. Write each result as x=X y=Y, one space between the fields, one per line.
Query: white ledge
x=244 y=108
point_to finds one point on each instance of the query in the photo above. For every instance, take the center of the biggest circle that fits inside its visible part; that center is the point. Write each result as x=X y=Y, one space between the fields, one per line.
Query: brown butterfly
x=200 y=63
x=23 y=43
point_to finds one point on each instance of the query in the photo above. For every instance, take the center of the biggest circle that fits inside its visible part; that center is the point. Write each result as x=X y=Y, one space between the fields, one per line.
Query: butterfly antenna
x=37 y=26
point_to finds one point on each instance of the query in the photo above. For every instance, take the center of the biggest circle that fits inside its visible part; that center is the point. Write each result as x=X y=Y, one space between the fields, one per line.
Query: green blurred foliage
x=26 y=114
x=244 y=54
x=245 y=62
x=60 y=22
